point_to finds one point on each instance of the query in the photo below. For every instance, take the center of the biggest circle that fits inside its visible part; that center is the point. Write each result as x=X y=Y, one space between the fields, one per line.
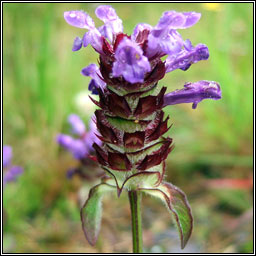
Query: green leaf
x=177 y=203
x=91 y=212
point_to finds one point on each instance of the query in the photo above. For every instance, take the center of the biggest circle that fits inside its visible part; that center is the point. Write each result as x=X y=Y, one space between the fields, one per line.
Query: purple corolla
x=81 y=145
x=194 y=93
x=136 y=58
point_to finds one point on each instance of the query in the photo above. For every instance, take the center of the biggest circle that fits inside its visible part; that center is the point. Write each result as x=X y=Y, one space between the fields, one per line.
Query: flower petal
x=64 y=140
x=186 y=57
x=93 y=71
x=106 y=32
x=12 y=174
x=106 y=13
x=93 y=87
x=77 y=45
x=113 y=25
x=191 y=19
x=178 y=20
x=78 y=126
x=79 y=19
x=130 y=62
x=7 y=155
x=163 y=38
x=194 y=93
x=76 y=146
x=91 y=136
x=171 y=20
x=94 y=38
x=164 y=41
x=138 y=30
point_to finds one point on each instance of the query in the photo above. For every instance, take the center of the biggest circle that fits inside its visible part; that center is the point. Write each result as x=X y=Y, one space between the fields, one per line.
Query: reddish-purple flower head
x=135 y=61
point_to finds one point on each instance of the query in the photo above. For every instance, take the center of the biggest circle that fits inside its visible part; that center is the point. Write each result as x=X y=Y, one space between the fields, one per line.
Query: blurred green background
x=212 y=161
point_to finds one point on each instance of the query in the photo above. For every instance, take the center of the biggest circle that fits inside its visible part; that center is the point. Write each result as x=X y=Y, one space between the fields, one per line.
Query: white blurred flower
x=83 y=103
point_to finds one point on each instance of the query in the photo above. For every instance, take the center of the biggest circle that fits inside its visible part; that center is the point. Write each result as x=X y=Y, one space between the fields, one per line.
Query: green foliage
x=20 y=203
x=234 y=201
x=91 y=212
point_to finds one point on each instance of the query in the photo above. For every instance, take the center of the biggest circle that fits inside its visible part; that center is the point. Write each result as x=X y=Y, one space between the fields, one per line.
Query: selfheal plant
x=130 y=120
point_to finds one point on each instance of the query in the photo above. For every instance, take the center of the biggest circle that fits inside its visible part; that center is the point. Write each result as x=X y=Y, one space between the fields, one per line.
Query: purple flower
x=77 y=45
x=134 y=56
x=94 y=38
x=186 y=57
x=76 y=146
x=93 y=87
x=97 y=82
x=178 y=20
x=161 y=42
x=130 y=62
x=194 y=93
x=91 y=135
x=113 y=25
x=77 y=124
x=70 y=172
x=164 y=39
x=7 y=155
x=80 y=147
x=11 y=172
x=106 y=13
x=138 y=29
x=81 y=19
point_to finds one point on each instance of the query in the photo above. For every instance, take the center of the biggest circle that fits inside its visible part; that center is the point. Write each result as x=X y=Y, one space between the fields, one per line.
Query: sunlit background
x=212 y=160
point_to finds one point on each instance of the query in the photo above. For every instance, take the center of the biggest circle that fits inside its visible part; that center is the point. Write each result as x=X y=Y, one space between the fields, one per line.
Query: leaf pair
x=173 y=197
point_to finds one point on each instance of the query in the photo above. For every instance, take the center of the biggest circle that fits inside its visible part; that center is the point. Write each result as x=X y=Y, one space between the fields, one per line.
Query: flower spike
x=130 y=123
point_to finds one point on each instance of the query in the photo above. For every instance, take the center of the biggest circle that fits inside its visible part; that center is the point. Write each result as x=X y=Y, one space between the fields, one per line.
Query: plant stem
x=135 y=203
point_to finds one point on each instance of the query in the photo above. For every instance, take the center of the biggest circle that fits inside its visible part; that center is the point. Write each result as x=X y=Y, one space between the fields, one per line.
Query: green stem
x=135 y=202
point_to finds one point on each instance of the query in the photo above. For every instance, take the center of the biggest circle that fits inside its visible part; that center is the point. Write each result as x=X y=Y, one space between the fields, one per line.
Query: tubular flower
x=194 y=93
x=186 y=57
x=80 y=145
x=130 y=62
x=97 y=82
x=130 y=121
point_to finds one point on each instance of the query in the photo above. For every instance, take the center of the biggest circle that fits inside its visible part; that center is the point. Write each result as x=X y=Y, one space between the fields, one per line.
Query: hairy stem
x=135 y=203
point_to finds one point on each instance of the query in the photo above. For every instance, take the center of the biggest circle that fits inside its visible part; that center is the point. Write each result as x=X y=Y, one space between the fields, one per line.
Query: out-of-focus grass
x=42 y=78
